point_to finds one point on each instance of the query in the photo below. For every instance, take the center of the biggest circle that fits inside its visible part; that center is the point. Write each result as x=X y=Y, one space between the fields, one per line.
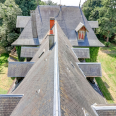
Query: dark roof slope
x=28 y=51
x=38 y=85
x=26 y=37
x=19 y=69
x=91 y=69
x=92 y=39
x=81 y=52
x=75 y=92
x=105 y=109
x=8 y=103
x=68 y=17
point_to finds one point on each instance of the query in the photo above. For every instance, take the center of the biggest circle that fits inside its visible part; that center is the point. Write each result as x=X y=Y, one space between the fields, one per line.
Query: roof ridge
x=56 y=77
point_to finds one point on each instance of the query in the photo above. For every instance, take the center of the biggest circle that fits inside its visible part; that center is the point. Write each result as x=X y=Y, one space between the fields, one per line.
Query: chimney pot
x=52 y=19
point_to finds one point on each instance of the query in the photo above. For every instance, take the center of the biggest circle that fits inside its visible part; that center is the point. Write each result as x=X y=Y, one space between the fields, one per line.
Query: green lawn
x=5 y=82
x=107 y=84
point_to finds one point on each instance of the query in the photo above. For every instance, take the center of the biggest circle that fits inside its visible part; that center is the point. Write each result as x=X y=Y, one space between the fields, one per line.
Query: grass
x=107 y=84
x=5 y=82
x=104 y=90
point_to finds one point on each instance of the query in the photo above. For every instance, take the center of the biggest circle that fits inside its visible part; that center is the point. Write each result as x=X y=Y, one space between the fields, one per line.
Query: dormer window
x=81 y=30
x=81 y=35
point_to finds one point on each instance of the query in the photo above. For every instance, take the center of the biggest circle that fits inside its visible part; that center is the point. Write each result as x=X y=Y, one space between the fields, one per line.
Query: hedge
x=93 y=54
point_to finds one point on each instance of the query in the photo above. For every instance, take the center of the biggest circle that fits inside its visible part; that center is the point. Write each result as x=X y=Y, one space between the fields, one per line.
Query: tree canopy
x=27 y=5
x=49 y=2
x=105 y=12
x=8 y=32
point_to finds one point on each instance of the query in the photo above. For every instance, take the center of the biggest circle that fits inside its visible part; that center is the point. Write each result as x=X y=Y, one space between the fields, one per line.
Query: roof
x=68 y=18
x=94 y=24
x=22 y=21
x=79 y=26
x=55 y=85
x=92 y=39
x=28 y=52
x=19 y=69
x=8 y=103
x=26 y=37
x=105 y=110
x=91 y=69
x=81 y=52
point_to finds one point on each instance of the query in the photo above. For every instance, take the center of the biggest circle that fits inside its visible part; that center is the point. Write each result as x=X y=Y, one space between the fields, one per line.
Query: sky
x=69 y=2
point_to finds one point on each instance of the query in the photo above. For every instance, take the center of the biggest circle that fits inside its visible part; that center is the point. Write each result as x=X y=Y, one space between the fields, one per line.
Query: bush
x=93 y=54
x=107 y=44
x=18 y=48
x=114 y=41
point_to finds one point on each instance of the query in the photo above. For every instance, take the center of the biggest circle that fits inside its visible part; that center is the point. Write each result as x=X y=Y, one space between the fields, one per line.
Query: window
x=81 y=33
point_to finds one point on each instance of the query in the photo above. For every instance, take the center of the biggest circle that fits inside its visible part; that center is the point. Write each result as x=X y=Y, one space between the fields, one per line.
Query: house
x=55 y=81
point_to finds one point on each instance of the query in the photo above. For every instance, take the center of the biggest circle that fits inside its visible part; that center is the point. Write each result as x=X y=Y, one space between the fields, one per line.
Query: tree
x=107 y=18
x=105 y=12
x=2 y=1
x=89 y=6
x=8 y=32
x=49 y=2
x=27 y=5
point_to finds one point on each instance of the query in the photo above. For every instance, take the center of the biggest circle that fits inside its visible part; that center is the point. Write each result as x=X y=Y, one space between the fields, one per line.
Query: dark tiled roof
x=92 y=39
x=19 y=69
x=110 y=112
x=39 y=85
x=67 y=17
x=26 y=37
x=82 y=52
x=8 y=103
x=75 y=92
x=44 y=47
x=38 y=89
x=22 y=21
x=91 y=69
x=93 y=24
x=105 y=109
x=28 y=51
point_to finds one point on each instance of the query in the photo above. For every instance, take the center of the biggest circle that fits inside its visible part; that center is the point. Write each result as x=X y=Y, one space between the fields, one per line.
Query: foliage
x=18 y=48
x=3 y=58
x=107 y=57
x=105 y=12
x=2 y=1
x=49 y=2
x=1 y=20
x=107 y=44
x=104 y=90
x=114 y=41
x=8 y=32
x=27 y=5
x=93 y=54
x=107 y=18
x=89 y=6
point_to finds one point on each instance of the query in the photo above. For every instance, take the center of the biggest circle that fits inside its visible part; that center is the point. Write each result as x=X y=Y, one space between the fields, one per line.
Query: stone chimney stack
x=51 y=35
x=33 y=24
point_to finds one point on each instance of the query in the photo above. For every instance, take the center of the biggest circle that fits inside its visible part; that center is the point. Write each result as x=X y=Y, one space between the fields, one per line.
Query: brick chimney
x=51 y=35
x=33 y=23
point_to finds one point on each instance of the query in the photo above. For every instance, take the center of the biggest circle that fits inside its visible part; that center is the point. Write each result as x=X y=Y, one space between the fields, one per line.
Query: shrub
x=114 y=41
x=107 y=44
x=93 y=54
